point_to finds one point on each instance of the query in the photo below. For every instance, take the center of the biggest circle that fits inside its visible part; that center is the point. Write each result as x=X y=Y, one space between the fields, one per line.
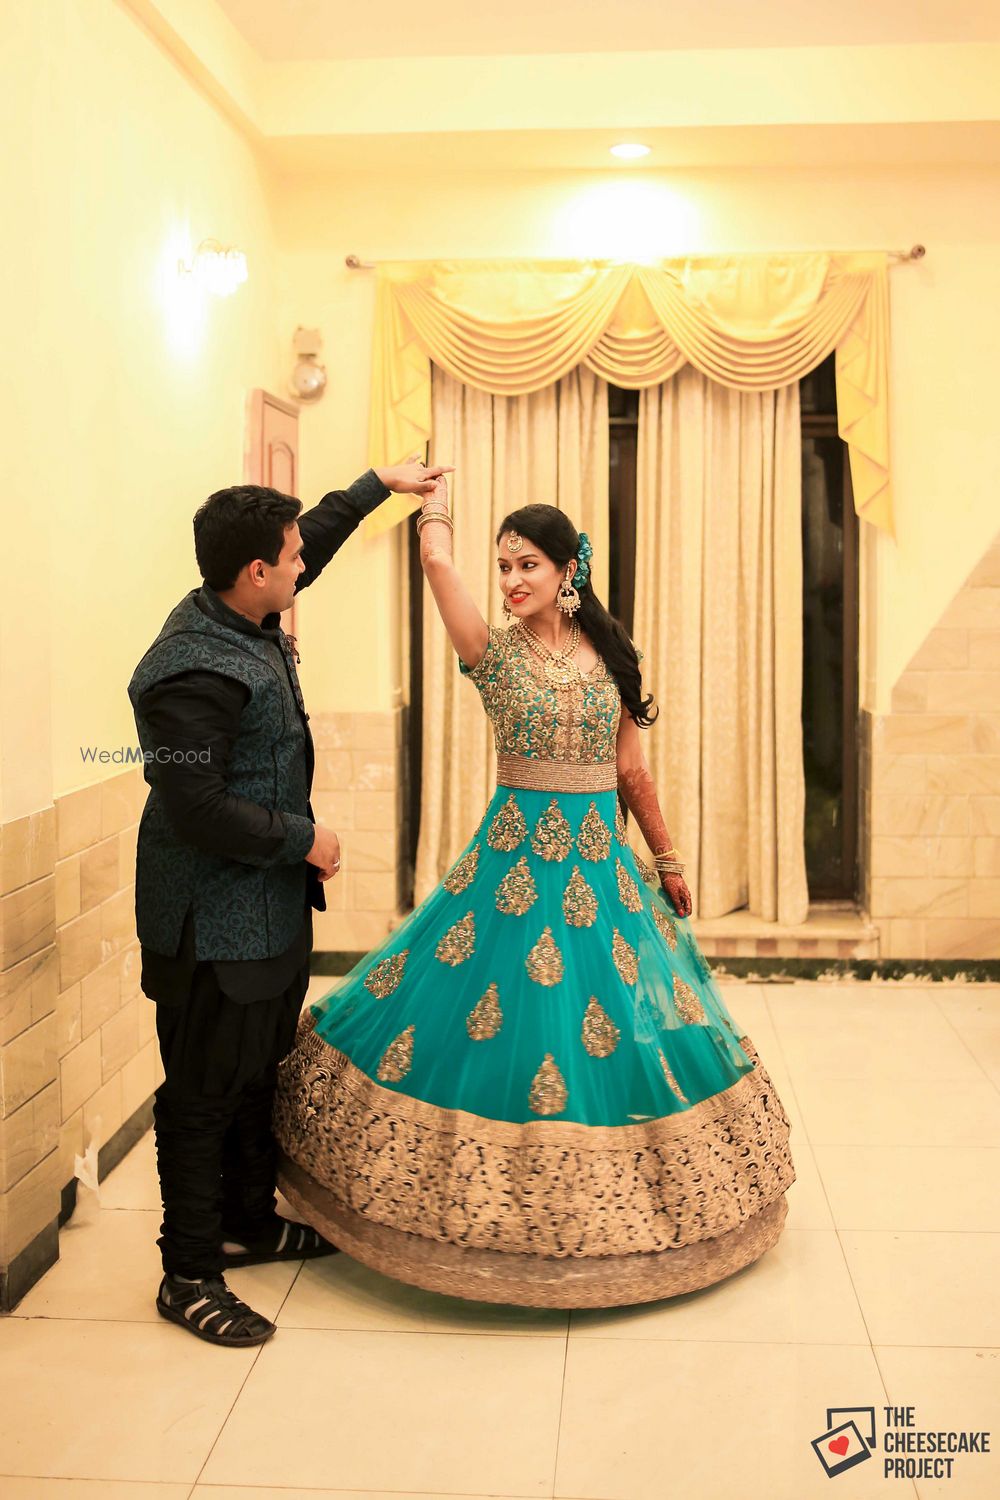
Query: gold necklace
x=560 y=669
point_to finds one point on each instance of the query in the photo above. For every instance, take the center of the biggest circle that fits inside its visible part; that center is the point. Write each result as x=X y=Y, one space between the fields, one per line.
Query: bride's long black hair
x=553 y=531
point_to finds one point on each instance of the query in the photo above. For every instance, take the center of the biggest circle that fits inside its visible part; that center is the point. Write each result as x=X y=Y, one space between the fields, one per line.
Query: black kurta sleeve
x=200 y=712
x=326 y=527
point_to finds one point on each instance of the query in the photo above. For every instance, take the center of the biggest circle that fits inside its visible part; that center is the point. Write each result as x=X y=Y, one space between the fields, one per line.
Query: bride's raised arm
x=462 y=618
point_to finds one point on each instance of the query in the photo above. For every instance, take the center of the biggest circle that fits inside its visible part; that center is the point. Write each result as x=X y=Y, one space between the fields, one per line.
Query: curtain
x=749 y=323
x=718 y=611
x=508 y=451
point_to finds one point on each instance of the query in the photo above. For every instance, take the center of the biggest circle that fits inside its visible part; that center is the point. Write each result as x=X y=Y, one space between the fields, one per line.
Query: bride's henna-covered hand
x=638 y=788
x=676 y=888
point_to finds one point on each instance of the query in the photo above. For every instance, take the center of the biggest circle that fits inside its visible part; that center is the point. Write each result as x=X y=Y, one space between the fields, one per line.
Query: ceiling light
x=629 y=151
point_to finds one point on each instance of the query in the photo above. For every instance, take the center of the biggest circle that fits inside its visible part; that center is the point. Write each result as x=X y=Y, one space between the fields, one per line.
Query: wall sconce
x=219 y=269
x=308 y=379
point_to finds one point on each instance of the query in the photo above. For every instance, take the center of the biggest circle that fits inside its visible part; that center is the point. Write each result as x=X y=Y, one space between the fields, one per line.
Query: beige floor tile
x=89 y=1489
x=341 y=1293
x=902 y=1112
x=79 y=1284
x=974 y=1012
x=911 y=1187
x=112 y=1400
x=798 y=1293
x=242 y=1492
x=396 y=1411
x=807 y=1202
x=927 y=1288
x=969 y=1005
x=643 y=1419
x=951 y=1390
x=133 y=1183
x=881 y=1049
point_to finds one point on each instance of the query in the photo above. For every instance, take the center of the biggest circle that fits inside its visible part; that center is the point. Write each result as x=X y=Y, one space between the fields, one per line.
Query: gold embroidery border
x=532 y=774
x=342 y=1077
x=527 y=1280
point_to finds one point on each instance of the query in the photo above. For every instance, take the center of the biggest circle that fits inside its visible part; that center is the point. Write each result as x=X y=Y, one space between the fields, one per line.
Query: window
x=830 y=644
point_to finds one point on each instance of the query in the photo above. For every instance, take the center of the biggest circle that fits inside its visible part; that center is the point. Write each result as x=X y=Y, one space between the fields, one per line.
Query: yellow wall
x=945 y=443
x=127 y=407
x=127 y=410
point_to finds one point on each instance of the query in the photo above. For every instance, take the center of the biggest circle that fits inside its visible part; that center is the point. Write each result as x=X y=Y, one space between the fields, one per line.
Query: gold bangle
x=438 y=520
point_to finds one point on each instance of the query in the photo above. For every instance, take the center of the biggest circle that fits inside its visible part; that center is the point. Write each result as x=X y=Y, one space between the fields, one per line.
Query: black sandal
x=287 y=1241
x=210 y=1311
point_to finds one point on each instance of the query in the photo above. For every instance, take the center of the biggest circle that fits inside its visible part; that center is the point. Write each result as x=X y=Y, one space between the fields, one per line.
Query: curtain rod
x=916 y=252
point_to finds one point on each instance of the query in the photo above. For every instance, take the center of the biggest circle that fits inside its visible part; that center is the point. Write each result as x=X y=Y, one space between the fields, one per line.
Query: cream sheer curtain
x=719 y=614
x=508 y=451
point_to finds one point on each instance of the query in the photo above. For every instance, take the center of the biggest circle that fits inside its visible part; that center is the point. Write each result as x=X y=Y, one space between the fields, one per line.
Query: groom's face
x=283 y=575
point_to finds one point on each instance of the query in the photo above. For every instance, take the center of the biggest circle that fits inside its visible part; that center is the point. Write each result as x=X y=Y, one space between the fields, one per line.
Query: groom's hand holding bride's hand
x=325 y=852
x=413 y=477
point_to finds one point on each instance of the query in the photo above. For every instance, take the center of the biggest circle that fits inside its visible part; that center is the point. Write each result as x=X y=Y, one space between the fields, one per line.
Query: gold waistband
x=534 y=775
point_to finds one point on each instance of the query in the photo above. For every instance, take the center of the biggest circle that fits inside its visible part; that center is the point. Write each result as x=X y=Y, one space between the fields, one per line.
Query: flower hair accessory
x=583 y=555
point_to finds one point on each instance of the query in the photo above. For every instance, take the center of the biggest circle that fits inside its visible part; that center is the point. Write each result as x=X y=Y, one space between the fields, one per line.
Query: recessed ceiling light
x=629 y=150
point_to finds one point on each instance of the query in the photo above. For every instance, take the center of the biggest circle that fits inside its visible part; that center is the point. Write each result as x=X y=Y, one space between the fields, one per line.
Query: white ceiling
x=313 y=29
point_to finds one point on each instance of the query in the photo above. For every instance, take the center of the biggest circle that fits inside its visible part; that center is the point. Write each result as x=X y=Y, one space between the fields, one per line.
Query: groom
x=230 y=864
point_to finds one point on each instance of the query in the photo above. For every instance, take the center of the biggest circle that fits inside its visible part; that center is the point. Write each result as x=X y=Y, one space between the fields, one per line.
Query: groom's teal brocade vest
x=242 y=910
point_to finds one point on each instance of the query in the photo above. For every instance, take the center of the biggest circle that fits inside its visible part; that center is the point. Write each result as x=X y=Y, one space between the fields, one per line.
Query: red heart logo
x=839 y=1445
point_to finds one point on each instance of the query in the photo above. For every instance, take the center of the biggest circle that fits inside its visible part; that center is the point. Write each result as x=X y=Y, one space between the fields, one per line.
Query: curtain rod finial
x=355 y=263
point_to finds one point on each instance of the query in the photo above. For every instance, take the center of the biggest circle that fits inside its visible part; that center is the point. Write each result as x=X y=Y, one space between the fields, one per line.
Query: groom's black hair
x=235 y=526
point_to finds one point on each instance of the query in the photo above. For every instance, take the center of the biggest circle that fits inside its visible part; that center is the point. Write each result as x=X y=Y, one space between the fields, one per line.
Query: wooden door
x=272 y=455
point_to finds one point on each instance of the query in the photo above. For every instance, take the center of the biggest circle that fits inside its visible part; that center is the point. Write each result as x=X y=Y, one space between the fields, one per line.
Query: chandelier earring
x=568 y=600
x=507 y=609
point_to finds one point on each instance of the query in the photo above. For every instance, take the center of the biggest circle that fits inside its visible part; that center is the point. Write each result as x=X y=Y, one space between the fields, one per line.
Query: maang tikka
x=514 y=541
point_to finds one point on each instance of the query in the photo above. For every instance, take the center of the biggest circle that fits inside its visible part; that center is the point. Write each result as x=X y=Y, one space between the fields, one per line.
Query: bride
x=533 y=1091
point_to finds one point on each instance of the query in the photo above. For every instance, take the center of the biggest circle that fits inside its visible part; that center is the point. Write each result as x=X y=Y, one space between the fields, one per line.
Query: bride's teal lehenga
x=532 y=1092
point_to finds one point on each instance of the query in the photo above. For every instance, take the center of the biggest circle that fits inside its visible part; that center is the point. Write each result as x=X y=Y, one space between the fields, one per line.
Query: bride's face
x=529 y=579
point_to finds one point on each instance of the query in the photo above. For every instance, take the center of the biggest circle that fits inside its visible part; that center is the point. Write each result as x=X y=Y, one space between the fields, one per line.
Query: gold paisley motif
x=667 y=929
x=464 y=872
x=553 y=837
x=594 y=838
x=397 y=1059
x=668 y=1075
x=600 y=1035
x=485 y=1018
x=626 y=959
x=579 y=903
x=545 y=963
x=620 y=824
x=647 y=872
x=548 y=1093
x=517 y=892
x=385 y=977
x=458 y=943
x=508 y=828
x=628 y=891
x=689 y=1007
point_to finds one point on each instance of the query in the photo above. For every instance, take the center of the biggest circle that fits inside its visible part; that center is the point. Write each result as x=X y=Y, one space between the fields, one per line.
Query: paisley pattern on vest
x=242 y=910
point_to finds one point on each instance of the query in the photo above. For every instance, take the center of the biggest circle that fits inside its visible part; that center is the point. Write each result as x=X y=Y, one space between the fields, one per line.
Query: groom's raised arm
x=326 y=527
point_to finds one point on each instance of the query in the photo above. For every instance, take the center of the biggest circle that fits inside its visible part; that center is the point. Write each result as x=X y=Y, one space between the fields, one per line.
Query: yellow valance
x=751 y=322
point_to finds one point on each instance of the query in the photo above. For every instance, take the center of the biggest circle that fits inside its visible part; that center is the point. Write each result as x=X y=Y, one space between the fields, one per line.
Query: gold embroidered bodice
x=532 y=718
